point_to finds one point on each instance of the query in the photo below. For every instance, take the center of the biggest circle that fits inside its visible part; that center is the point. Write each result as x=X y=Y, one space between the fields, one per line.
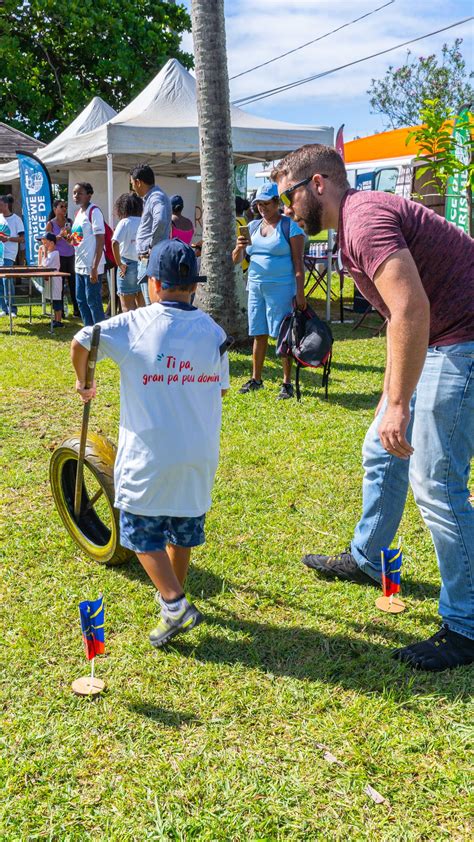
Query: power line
x=319 y=38
x=273 y=91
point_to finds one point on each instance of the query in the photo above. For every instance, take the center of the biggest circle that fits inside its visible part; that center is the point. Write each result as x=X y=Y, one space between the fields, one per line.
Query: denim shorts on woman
x=269 y=302
x=128 y=285
x=146 y=534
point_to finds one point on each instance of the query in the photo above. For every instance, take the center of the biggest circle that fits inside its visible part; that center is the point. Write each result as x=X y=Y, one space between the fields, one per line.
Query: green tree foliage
x=439 y=149
x=401 y=94
x=55 y=56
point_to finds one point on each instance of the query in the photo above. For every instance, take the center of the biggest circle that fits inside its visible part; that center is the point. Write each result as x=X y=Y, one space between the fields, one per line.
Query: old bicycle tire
x=96 y=531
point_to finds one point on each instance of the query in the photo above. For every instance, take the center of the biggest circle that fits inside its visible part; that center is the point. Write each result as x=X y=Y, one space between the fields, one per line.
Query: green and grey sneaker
x=285 y=392
x=172 y=623
x=251 y=386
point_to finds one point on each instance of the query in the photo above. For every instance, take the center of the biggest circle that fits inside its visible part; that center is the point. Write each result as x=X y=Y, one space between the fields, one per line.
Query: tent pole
x=329 y=274
x=110 y=214
x=110 y=190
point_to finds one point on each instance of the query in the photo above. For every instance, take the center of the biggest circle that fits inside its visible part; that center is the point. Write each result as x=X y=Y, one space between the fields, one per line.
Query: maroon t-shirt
x=373 y=226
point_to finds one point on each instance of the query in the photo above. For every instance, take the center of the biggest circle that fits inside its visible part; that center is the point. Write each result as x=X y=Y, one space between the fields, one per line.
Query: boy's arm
x=225 y=382
x=79 y=357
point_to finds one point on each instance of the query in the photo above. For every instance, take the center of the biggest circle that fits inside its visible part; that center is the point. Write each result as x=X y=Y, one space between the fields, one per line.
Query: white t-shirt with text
x=15 y=224
x=171 y=376
x=125 y=235
x=84 y=232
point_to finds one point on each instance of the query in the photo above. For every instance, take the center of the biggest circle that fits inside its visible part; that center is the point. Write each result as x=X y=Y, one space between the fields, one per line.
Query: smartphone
x=244 y=232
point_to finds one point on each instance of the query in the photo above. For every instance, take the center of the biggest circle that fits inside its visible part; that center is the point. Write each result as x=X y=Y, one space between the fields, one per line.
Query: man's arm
x=398 y=282
x=161 y=219
x=20 y=238
x=386 y=379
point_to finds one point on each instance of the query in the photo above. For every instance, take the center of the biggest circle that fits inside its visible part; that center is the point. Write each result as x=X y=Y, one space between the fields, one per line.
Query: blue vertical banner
x=36 y=201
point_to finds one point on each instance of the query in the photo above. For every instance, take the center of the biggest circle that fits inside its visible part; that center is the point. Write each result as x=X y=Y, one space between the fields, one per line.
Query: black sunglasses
x=285 y=197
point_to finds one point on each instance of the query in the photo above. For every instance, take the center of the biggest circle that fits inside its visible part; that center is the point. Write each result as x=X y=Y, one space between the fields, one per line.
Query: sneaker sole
x=358 y=578
x=188 y=625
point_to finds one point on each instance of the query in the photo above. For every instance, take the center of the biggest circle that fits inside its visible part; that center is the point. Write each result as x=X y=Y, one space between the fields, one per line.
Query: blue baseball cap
x=46 y=236
x=177 y=201
x=173 y=263
x=267 y=192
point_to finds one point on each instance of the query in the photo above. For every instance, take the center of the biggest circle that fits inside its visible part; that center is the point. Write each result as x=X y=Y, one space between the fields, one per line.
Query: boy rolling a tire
x=174 y=370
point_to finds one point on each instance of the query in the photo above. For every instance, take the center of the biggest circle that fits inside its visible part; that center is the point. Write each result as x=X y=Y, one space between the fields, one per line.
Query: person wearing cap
x=417 y=269
x=181 y=227
x=174 y=369
x=276 y=275
x=49 y=258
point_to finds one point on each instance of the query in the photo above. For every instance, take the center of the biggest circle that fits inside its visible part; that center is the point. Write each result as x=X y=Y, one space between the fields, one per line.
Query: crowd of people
x=416 y=269
x=412 y=265
x=86 y=250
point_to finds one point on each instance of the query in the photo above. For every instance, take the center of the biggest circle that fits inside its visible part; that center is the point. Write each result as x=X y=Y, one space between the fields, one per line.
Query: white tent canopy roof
x=161 y=126
x=95 y=114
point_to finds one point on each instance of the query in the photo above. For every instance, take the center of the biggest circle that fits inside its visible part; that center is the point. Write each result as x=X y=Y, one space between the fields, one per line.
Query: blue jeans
x=5 y=285
x=441 y=431
x=143 y=280
x=89 y=299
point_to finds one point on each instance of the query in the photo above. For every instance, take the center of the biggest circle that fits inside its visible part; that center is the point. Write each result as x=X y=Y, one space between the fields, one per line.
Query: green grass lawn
x=222 y=736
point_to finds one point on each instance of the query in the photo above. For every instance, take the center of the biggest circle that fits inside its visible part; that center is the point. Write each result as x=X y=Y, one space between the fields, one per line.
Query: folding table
x=29 y=273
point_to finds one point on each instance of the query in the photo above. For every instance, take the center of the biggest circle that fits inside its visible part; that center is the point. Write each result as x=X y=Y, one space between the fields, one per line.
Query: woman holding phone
x=275 y=249
x=59 y=224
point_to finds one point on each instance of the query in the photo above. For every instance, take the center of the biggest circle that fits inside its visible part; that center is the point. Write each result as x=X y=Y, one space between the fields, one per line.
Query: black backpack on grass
x=308 y=340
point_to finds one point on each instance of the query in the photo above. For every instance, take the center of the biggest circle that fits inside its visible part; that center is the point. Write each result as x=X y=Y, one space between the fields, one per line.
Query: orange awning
x=384 y=145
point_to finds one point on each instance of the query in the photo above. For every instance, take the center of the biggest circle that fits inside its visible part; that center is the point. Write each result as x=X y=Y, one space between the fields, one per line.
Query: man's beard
x=312 y=215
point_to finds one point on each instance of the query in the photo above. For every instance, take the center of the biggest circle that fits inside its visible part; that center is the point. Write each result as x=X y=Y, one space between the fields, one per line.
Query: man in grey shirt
x=156 y=218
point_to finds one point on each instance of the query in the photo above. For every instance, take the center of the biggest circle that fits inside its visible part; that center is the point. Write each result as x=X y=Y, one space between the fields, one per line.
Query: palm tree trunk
x=223 y=296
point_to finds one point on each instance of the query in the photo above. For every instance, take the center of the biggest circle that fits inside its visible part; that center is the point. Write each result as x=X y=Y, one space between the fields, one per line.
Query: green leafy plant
x=440 y=152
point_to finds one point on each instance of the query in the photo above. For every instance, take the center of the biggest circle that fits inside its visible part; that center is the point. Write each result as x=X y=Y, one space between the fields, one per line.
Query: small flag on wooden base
x=91 y=613
x=391 y=574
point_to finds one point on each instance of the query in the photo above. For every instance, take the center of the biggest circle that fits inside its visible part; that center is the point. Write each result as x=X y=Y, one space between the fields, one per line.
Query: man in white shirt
x=173 y=370
x=88 y=237
x=10 y=251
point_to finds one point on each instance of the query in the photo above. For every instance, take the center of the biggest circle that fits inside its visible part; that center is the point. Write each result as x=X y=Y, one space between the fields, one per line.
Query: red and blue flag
x=391 y=570
x=92 y=624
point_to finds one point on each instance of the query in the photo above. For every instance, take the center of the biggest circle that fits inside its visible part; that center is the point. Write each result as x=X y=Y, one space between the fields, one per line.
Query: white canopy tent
x=95 y=114
x=160 y=126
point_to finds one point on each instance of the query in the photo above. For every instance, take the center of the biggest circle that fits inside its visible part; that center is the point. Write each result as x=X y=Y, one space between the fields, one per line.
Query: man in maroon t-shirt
x=418 y=271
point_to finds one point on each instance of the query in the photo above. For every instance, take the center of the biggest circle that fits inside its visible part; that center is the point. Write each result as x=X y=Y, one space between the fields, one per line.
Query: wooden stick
x=85 y=421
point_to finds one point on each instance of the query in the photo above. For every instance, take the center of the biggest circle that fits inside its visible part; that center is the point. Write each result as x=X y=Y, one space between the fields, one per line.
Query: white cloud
x=258 y=32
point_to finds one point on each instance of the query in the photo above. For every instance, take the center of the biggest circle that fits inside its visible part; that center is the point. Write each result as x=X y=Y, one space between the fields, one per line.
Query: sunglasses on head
x=285 y=197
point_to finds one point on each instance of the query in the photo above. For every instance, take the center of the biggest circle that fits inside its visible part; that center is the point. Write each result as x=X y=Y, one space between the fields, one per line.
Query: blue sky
x=258 y=30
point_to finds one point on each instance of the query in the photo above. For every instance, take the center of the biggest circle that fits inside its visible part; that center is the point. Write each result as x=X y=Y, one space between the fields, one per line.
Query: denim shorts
x=128 y=285
x=146 y=534
x=269 y=302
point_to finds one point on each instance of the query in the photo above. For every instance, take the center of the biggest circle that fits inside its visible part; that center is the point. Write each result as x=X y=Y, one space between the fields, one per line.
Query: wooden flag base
x=88 y=686
x=396 y=606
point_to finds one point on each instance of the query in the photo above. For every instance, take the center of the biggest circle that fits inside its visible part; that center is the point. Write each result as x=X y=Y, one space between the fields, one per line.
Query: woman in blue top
x=275 y=275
